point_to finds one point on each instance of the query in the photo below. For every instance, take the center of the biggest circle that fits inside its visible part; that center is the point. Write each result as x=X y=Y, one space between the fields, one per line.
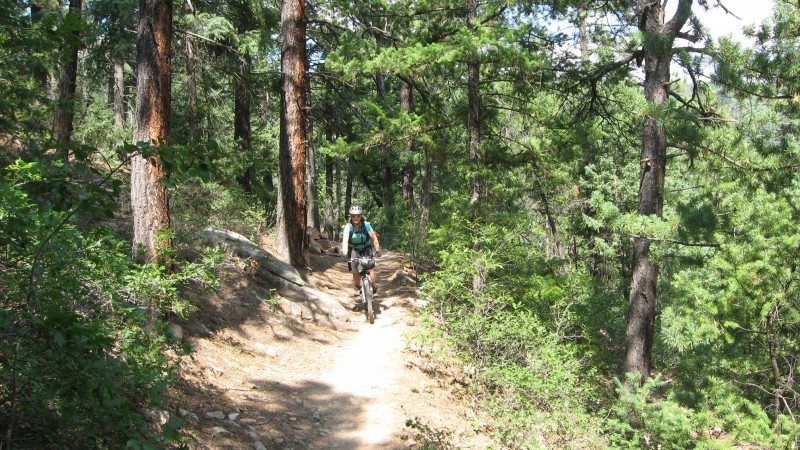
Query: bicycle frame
x=367 y=293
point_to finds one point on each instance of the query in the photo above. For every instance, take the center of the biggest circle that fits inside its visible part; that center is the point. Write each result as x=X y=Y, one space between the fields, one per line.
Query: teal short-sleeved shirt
x=360 y=238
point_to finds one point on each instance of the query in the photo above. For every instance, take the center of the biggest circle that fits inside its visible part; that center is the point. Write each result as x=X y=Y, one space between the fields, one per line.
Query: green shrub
x=82 y=343
x=643 y=420
x=518 y=328
x=198 y=206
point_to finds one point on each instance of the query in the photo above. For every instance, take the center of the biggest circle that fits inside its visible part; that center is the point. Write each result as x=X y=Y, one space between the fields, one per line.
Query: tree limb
x=687 y=36
x=670 y=241
x=603 y=71
x=682 y=13
x=701 y=50
x=727 y=11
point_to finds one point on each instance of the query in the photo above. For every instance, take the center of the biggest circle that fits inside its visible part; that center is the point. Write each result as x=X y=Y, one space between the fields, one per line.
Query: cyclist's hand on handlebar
x=378 y=254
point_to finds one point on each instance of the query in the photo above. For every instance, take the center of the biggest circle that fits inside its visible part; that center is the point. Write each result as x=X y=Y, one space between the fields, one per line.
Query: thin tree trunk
x=407 y=106
x=329 y=171
x=425 y=196
x=118 y=89
x=313 y=210
x=386 y=167
x=337 y=212
x=67 y=84
x=332 y=183
x=149 y=197
x=42 y=76
x=328 y=224
x=348 y=190
x=474 y=113
x=553 y=245
x=270 y=200
x=584 y=35
x=292 y=152
x=241 y=120
x=191 y=77
x=474 y=141
x=772 y=339
x=653 y=159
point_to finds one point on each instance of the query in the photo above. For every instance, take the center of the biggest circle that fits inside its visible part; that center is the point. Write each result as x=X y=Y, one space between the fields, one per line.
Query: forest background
x=602 y=199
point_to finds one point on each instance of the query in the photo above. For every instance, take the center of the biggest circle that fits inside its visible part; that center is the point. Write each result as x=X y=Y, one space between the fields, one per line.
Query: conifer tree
x=291 y=231
x=658 y=52
x=112 y=42
x=68 y=79
x=149 y=196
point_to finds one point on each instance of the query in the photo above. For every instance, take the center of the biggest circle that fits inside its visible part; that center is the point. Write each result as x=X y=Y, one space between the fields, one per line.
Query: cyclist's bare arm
x=373 y=236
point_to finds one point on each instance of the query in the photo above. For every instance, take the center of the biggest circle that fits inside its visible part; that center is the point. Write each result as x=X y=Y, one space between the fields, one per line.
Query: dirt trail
x=259 y=379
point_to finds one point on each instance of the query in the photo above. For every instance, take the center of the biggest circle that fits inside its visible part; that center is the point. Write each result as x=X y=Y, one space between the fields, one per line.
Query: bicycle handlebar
x=362 y=261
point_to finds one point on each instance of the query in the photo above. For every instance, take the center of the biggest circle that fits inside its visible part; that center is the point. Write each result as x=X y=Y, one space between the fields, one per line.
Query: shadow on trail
x=307 y=414
x=303 y=419
x=314 y=416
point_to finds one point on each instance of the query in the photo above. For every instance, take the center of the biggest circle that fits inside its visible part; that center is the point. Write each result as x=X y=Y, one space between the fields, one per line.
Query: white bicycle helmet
x=355 y=210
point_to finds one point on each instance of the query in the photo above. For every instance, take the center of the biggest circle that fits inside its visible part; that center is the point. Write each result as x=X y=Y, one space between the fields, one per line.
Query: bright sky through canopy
x=721 y=24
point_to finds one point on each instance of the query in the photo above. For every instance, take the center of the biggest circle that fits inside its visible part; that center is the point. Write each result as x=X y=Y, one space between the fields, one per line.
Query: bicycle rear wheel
x=366 y=292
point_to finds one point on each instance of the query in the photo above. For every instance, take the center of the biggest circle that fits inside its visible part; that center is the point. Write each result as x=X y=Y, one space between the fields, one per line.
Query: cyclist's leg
x=371 y=272
x=354 y=270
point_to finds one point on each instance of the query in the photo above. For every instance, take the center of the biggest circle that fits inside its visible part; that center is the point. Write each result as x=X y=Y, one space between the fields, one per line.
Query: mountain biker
x=359 y=239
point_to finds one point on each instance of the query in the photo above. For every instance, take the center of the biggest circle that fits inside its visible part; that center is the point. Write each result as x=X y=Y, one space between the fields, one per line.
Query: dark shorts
x=355 y=253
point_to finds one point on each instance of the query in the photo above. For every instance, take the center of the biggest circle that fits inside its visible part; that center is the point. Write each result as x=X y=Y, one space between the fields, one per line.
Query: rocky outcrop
x=318 y=244
x=297 y=298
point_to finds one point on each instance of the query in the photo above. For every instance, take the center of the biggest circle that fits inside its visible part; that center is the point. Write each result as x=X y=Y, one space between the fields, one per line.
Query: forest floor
x=260 y=379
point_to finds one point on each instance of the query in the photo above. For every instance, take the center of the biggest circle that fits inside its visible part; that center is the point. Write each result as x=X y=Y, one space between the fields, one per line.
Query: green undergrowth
x=511 y=320
x=84 y=344
x=530 y=336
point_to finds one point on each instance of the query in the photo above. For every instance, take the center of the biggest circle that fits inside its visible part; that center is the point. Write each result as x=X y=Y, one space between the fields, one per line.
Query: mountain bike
x=366 y=263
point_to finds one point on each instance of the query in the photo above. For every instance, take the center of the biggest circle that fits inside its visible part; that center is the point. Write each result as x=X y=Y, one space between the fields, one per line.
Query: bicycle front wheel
x=366 y=292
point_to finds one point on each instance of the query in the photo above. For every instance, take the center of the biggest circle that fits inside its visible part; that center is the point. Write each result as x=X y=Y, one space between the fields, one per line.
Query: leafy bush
x=641 y=421
x=427 y=437
x=197 y=206
x=82 y=343
x=510 y=314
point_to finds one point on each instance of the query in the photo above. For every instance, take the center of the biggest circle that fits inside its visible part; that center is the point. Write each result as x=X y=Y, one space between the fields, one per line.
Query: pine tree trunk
x=313 y=211
x=328 y=224
x=118 y=89
x=337 y=212
x=37 y=11
x=474 y=112
x=583 y=35
x=292 y=152
x=425 y=196
x=772 y=344
x=270 y=199
x=653 y=159
x=311 y=154
x=348 y=189
x=386 y=167
x=67 y=84
x=241 y=121
x=332 y=183
x=149 y=197
x=474 y=142
x=191 y=77
x=407 y=106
